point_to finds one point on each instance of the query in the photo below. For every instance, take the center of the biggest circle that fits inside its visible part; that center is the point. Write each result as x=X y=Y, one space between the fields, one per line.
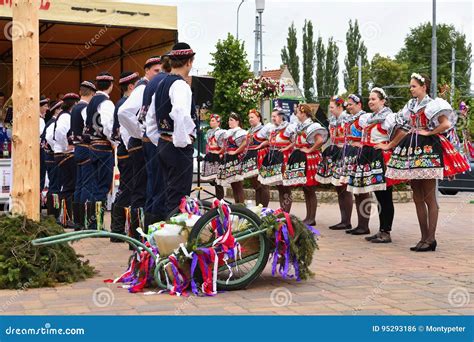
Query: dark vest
x=44 y=143
x=77 y=122
x=148 y=93
x=116 y=127
x=163 y=105
x=93 y=128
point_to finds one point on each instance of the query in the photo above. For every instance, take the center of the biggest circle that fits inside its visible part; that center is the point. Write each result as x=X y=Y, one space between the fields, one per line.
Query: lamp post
x=434 y=55
x=260 y=5
x=238 y=10
x=258 y=60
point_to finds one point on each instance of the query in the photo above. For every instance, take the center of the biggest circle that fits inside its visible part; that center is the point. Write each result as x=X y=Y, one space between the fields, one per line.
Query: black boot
x=134 y=224
x=117 y=224
x=90 y=219
x=150 y=219
x=69 y=213
x=49 y=205
x=55 y=206
x=78 y=215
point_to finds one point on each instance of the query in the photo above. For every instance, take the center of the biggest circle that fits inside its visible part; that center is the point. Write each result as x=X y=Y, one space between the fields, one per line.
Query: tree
x=309 y=48
x=355 y=47
x=231 y=69
x=289 y=56
x=393 y=76
x=320 y=68
x=417 y=54
x=331 y=86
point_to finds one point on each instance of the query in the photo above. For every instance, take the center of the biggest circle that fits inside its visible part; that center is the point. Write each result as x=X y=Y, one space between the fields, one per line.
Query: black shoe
x=350 y=230
x=370 y=238
x=418 y=245
x=340 y=226
x=117 y=240
x=384 y=237
x=427 y=247
x=361 y=231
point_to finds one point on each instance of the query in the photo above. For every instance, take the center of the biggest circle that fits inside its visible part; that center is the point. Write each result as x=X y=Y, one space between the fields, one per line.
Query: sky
x=383 y=24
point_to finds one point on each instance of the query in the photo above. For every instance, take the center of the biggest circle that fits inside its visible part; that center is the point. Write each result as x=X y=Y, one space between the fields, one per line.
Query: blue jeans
x=102 y=160
x=85 y=182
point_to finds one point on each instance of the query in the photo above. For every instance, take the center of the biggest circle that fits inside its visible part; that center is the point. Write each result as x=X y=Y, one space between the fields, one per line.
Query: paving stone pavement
x=352 y=276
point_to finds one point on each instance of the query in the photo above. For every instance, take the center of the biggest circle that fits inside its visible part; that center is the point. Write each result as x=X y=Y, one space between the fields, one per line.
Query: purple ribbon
x=275 y=254
x=286 y=267
x=193 y=268
x=313 y=230
x=297 y=269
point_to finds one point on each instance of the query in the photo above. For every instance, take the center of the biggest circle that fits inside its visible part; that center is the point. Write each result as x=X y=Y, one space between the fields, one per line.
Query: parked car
x=462 y=182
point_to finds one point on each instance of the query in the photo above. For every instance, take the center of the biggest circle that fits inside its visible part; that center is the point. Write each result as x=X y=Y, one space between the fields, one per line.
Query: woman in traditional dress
x=369 y=174
x=425 y=155
x=257 y=140
x=275 y=161
x=350 y=152
x=329 y=170
x=212 y=160
x=231 y=166
x=302 y=164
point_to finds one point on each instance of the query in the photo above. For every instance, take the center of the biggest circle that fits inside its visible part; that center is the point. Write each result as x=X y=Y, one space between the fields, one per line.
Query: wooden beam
x=25 y=138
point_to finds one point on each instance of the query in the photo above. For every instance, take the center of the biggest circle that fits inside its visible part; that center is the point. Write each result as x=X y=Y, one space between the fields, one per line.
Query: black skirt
x=325 y=173
x=212 y=161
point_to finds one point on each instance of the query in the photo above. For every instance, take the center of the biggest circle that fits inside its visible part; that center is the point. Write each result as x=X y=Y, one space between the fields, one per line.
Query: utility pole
x=359 y=74
x=434 y=56
x=453 y=71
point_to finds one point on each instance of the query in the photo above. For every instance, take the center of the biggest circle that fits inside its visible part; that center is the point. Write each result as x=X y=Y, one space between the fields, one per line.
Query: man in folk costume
x=83 y=192
x=52 y=198
x=176 y=118
x=98 y=132
x=128 y=115
x=155 y=200
x=44 y=106
x=121 y=206
x=64 y=158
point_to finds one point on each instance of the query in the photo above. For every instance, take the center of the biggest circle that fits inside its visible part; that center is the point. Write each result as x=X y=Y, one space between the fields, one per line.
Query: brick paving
x=352 y=276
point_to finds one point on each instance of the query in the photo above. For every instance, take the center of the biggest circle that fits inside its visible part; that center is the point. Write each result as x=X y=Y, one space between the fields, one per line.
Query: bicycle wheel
x=204 y=206
x=255 y=248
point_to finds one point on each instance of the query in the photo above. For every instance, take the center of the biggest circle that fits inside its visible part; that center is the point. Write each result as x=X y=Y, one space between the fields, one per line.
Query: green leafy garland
x=24 y=266
x=302 y=245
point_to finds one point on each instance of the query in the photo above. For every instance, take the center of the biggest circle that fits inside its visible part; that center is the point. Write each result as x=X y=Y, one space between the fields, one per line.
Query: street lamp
x=238 y=9
x=258 y=62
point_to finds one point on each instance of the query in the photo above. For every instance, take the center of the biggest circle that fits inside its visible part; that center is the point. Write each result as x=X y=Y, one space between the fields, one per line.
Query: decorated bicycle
x=204 y=248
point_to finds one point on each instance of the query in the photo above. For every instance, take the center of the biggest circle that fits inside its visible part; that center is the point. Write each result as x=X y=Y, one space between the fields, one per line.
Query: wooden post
x=25 y=138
